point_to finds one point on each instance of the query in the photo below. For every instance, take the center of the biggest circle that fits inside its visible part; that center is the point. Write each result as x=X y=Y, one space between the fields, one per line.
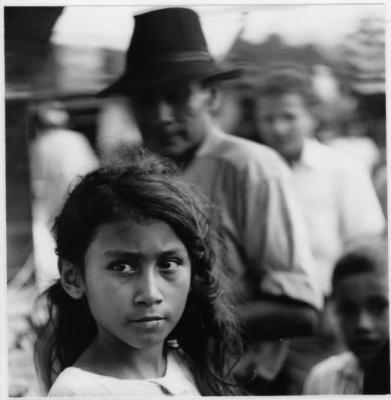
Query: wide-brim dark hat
x=167 y=47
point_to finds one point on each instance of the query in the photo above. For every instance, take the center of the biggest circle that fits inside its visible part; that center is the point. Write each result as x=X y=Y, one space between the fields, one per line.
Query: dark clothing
x=377 y=374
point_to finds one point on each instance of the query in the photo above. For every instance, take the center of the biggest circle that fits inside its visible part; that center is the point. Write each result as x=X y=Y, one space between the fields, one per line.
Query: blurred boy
x=360 y=293
x=335 y=194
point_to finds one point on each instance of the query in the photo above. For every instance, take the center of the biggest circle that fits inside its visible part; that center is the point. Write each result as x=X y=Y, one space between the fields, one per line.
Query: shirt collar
x=170 y=383
x=211 y=139
x=352 y=367
x=309 y=158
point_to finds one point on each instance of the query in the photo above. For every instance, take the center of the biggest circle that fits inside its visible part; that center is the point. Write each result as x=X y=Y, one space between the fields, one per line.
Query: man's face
x=283 y=122
x=173 y=122
x=362 y=309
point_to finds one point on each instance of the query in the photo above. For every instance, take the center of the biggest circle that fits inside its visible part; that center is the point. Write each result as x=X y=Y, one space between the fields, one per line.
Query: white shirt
x=58 y=157
x=177 y=381
x=338 y=202
x=361 y=148
x=340 y=374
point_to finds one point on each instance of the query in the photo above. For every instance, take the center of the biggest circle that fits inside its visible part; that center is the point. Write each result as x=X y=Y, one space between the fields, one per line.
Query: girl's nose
x=148 y=292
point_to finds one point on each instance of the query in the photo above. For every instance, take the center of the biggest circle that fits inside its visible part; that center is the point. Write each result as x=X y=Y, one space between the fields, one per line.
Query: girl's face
x=137 y=280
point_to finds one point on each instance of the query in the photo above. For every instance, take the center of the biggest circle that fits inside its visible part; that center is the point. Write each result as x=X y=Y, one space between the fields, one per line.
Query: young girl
x=138 y=308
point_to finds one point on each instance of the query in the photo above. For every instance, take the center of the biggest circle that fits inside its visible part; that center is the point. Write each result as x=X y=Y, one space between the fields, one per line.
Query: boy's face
x=283 y=122
x=362 y=309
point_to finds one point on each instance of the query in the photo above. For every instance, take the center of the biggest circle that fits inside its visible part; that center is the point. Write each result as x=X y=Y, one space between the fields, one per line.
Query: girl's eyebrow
x=121 y=253
x=138 y=254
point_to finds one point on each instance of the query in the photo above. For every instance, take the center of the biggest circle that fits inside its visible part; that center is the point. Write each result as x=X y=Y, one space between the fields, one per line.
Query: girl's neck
x=122 y=361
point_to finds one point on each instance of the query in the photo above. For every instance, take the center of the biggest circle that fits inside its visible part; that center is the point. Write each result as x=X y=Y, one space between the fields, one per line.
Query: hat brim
x=130 y=84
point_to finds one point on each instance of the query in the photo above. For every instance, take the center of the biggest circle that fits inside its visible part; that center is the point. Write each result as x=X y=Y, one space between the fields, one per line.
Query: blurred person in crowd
x=353 y=142
x=334 y=192
x=336 y=195
x=380 y=182
x=364 y=54
x=360 y=293
x=172 y=83
x=235 y=114
x=117 y=132
x=361 y=135
x=340 y=127
x=57 y=156
x=372 y=113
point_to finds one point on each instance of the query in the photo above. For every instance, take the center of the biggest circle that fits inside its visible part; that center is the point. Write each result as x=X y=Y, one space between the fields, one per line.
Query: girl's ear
x=71 y=280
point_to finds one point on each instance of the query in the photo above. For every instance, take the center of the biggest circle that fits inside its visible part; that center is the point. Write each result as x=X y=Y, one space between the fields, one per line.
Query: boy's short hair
x=287 y=78
x=366 y=255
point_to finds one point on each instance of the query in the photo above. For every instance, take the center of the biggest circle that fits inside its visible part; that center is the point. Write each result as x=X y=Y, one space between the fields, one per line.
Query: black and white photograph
x=195 y=199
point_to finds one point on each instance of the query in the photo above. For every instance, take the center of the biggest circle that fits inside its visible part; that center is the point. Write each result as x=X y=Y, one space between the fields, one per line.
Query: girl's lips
x=148 y=319
x=148 y=322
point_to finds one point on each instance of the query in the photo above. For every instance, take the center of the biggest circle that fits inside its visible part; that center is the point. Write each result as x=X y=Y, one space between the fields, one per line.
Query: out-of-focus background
x=58 y=58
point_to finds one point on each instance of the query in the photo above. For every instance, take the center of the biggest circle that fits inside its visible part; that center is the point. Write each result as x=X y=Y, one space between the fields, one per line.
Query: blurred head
x=284 y=111
x=51 y=114
x=360 y=292
x=175 y=121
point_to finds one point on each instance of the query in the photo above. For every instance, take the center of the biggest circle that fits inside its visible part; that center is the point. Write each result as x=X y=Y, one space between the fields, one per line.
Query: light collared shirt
x=58 y=157
x=340 y=374
x=177 y=381
x=267 y=245
x=338 y=202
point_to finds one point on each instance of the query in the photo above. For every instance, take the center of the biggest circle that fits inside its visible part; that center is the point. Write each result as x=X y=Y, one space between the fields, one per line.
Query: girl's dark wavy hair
x=147 y=187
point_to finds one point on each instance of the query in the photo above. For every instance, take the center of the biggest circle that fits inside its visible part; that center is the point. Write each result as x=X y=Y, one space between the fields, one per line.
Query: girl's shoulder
x=74 y=381
x=178 y=380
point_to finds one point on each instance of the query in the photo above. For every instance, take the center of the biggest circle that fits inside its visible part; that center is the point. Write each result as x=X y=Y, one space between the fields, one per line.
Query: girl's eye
x=123 y=268
x=169 y=265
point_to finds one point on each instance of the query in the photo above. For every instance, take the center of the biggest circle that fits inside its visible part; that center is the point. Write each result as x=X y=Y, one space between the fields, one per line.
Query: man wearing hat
x=171 y=81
